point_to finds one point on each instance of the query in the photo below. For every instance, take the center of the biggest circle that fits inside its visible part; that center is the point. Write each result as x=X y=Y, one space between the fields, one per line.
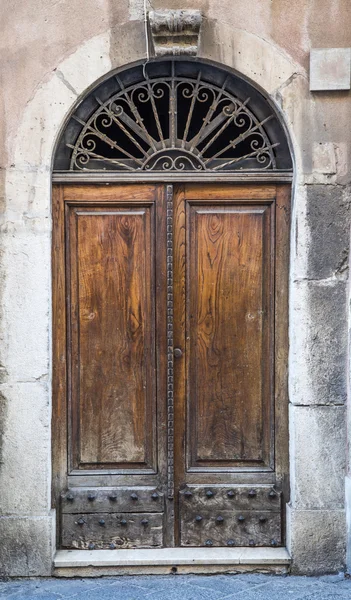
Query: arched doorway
x=170 y=246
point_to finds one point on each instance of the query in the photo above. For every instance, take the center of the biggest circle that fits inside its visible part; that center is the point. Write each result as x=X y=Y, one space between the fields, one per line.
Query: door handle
x=178 y=353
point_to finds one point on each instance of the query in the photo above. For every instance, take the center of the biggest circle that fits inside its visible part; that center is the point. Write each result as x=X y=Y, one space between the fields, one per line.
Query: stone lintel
x=175 y=32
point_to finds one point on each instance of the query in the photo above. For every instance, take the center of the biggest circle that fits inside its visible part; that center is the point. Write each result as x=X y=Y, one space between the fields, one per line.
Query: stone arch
x=28 y=214
x=244 y=53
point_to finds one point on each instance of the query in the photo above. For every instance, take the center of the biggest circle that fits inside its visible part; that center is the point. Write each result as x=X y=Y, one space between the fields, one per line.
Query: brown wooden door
x=230 y=278
x=170 y=354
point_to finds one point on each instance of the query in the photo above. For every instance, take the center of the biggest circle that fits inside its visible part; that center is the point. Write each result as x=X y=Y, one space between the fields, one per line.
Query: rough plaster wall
x=50 y=53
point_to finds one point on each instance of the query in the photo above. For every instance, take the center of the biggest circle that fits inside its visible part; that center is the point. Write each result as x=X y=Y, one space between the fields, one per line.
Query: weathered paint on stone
x=328 y=218
x=316 y=541
x=27 y=545
x=318 y=343
x=318 y=468
x=348 y=521
x=330 y=69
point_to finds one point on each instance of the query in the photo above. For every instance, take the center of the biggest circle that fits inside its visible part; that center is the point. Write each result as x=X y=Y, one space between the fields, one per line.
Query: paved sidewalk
x=181 y=587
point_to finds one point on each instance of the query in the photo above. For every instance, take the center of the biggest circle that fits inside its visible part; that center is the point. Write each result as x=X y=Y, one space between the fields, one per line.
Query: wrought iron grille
x=173 y=115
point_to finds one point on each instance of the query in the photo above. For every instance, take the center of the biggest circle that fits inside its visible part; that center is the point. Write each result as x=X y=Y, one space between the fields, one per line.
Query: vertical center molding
x=170 y=355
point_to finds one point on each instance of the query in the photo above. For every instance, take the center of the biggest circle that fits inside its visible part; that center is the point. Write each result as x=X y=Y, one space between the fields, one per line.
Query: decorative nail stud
x=198 y=518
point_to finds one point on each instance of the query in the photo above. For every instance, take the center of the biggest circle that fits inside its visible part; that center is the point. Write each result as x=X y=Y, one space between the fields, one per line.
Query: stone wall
x=51 y=53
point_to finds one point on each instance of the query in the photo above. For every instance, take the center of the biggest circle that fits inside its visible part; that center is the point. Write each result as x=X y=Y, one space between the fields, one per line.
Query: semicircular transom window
x=173 y=115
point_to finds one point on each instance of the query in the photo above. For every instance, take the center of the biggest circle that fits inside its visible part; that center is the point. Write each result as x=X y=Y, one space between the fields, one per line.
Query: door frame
x=282 y=182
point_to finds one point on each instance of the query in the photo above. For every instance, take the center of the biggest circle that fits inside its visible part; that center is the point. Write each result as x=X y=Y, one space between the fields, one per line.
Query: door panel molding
x=229 y=336
x=110 y=261
x=188 y=246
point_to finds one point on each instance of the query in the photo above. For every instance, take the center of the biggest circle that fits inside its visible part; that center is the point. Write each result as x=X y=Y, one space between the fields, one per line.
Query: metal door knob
x=178 y=352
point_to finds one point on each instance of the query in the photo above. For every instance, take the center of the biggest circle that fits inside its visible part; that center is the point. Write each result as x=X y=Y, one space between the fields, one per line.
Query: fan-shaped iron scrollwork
x=173 y=122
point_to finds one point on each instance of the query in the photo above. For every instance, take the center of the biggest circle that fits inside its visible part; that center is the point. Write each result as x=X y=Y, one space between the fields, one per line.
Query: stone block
x=328 y=218
x=348 y=520
x=25 y=450
x=27 y=546
x=324 y=158
x=330 y=69
x=175 y=32
x=316 y=541
x=300 y=234
x=25 y=322
x=329 y=162
x=318 y=342
x=317 y=451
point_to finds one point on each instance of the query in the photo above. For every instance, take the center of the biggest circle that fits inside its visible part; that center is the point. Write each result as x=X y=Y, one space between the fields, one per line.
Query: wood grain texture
x=180 y=374
x=257 y=263
x=112 y=327
x=111 y=500
x=123 y=530
x=230 y=497
x=220 y=192
x=229 y=321
x=59 y=374
x=239 y=528
x=109 y=254
x=101 y=193
x=111 y=380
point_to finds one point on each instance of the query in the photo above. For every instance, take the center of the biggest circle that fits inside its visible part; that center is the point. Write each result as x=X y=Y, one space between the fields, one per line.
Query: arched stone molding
x=26 y=259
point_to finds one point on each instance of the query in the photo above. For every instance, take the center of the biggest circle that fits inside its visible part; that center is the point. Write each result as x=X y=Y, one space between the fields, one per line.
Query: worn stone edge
x=171 y=556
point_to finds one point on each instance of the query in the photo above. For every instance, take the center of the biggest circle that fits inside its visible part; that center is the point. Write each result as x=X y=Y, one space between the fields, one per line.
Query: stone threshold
x=172 y=557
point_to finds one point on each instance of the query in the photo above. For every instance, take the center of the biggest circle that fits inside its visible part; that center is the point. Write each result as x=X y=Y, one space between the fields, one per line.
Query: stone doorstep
x=264 y=557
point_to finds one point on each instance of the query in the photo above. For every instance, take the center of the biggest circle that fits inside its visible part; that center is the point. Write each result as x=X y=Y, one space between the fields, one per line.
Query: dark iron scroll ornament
x=173 y=115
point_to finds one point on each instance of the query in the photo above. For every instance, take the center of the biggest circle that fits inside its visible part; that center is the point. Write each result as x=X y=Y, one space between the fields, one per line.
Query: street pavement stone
x=180 y=587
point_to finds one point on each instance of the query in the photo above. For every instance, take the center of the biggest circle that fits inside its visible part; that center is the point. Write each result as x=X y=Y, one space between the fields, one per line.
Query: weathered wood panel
x=105 y=500
x=219 y=192
x=230 y=321
x=230 y=528
x=110 y=193
x=112 y=336
x=264 y=498
x=228 y=267
x=59 y=350
x=180 y=376
x=104 y=530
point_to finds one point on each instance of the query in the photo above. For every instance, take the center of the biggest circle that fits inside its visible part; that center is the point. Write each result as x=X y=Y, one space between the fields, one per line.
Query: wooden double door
x=170 y=360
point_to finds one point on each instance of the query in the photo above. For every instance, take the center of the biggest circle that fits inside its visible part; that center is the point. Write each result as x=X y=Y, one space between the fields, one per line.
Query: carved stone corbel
x=175 y=32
